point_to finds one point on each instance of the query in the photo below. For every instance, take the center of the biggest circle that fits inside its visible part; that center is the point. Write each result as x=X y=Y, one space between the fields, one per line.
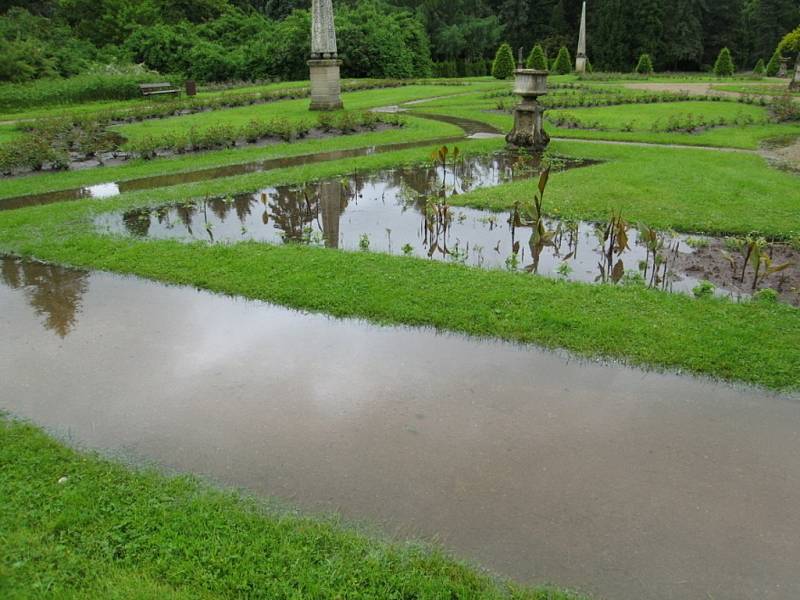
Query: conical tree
x=724 y=65
x=774 y=64
x=503 y=66
x=563 y=64
x=760 y=69
x=645 y=65
x=537 y=59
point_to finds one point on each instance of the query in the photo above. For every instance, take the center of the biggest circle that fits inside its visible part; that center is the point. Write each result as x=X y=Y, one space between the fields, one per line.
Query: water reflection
x=408 y=211
x=53 y=292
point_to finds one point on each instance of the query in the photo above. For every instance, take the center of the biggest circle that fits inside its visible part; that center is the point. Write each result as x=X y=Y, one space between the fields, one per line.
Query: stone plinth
x=326 y=85
x=528 y=129
x=794 y=86
x=580 y=64
x=783 y=69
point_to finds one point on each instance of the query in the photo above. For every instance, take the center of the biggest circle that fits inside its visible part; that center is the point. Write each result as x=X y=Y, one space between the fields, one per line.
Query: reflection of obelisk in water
x=324 y=64
x=330 y=204
x=580 y=61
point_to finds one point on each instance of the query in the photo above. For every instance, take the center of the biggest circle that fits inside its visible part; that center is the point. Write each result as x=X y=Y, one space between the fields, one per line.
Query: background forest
x=216 y=40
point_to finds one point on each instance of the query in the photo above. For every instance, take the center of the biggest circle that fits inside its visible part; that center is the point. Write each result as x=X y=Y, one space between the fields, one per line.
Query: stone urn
x=528 y=129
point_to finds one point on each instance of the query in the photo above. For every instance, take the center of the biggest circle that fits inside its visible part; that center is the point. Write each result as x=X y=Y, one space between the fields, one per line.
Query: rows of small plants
x=588 y=98
x=57 y=143
x=257 y=130
x=678 y=123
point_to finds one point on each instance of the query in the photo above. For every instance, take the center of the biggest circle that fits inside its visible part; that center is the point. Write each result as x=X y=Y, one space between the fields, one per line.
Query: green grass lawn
x=113 y=532
x=764 y=89
x=295 y=111
x=8 y=133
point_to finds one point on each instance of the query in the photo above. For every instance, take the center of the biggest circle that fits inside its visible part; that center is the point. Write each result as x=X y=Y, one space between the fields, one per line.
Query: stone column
x=324 y=64
x=783 y=69
x=580 y=61
x=794 y=86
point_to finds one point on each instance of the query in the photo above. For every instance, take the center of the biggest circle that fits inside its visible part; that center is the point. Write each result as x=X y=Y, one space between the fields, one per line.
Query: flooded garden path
x=622 y=483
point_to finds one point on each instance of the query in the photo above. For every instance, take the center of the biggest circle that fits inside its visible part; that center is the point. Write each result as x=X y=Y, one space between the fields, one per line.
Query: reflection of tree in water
x=137 y=222
x=292 y=209
x=53 y=292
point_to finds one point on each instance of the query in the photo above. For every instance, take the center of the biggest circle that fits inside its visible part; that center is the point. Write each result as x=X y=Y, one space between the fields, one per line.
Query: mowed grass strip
x=112 y=532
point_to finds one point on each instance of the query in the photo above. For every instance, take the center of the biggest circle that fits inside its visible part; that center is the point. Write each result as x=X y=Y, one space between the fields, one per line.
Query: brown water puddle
x=625 y=484
x=109 y=189
x=406 y=212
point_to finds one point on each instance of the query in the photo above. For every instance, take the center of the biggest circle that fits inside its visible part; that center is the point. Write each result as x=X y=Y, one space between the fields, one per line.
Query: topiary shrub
x=645 y=65
x=563 y=64
x=760 y=69
x=774 y=64
x=724 y=65
x=504 y=65
x=537 y=59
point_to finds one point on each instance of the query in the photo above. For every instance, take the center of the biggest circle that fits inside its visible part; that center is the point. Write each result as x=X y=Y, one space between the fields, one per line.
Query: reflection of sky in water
x=103 y=190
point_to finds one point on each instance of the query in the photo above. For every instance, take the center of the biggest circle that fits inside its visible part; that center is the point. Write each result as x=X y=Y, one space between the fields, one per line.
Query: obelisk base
x=326 y=87
x=528 y=129
x=580 y=64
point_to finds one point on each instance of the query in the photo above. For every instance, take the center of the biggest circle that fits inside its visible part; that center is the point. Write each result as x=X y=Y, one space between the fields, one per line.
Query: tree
x=537 y=59
x=504 y=65
x=774 y=64
x=772 y=20
x=724 y=65
x=611 y=49
x=760 y=68
x=683 y=34
x=563 y=64
x=645 y=65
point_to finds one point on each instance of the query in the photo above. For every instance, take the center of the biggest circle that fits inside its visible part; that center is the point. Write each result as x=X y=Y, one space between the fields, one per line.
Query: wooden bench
x=157 y=89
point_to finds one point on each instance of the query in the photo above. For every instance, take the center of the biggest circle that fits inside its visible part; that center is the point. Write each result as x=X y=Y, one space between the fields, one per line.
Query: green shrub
x=537 y=59
x=767 y=296
x=503 y=66
x=645 y=65
x=563 y=64
x=724 y=65
x=760 y=69
x=704 y=289
x=774 y=64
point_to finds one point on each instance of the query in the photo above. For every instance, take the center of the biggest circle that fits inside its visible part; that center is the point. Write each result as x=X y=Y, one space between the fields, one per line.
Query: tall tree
x=683 y=34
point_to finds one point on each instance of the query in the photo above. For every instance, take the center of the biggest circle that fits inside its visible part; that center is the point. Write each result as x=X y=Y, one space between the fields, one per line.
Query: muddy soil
x=711 y=263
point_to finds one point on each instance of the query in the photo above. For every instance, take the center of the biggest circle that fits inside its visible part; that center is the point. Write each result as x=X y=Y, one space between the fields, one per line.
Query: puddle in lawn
x=488 y=447
x=405 y=212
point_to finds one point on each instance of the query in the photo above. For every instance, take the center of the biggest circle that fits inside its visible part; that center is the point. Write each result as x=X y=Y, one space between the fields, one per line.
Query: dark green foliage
x=563 y=64
x=760 y=68
x=269 y=39
x=537 y=59
x=724 y=65
x=503 y=66
x=645 y=65
x=774 y=64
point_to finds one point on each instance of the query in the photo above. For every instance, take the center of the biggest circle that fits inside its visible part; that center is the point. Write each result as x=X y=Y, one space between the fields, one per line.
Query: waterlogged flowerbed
x=407 y=212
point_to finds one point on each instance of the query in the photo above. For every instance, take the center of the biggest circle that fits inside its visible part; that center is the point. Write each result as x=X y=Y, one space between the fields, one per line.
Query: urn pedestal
x=528 y=129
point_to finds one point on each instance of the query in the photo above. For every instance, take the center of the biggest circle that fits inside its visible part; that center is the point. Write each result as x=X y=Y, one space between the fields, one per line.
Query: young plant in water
x=408 y=249
x=564 y=269
x=363 y=242
x=704 y=289
x=439 y=158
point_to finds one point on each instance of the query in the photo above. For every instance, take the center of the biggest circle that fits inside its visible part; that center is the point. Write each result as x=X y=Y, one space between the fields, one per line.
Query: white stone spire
x=580 y=61
x=323 y=32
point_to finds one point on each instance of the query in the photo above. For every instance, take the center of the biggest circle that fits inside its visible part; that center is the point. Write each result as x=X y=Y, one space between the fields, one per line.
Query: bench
x=157 y=89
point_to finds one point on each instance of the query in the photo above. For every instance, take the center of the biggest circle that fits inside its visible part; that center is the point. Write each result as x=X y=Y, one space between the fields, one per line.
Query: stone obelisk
x=324 y=64
x=580 y=61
